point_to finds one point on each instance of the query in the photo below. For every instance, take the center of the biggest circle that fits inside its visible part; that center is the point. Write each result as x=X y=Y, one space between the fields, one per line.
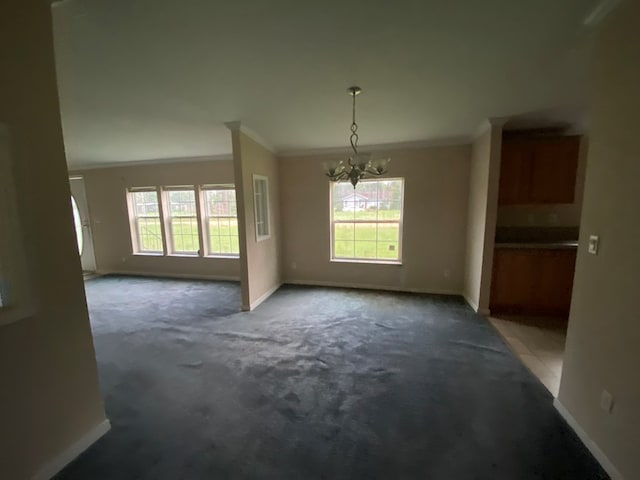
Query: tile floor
x=539 y=342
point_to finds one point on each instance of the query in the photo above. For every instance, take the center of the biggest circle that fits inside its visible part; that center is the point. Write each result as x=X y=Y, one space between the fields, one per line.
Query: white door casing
x=87 y=255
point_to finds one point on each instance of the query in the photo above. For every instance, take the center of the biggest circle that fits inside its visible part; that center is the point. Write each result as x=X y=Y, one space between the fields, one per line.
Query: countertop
x=566 y=245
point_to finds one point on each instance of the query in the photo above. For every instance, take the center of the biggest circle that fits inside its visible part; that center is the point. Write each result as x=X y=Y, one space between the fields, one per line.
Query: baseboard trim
x=66 y=457
x=599 y=455
x=181 y=276
x=480 y=311
x=471 y=303
x=365 y=286
x=266 y=295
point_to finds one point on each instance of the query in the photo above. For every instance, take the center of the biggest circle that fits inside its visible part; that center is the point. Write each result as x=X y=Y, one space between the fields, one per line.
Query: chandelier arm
x=372 y=171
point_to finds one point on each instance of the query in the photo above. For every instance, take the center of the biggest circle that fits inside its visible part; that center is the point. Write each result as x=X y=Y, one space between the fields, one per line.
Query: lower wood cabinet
x=534 y=281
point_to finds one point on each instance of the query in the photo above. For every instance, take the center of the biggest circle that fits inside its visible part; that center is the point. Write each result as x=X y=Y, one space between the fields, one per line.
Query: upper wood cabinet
x=538 y=171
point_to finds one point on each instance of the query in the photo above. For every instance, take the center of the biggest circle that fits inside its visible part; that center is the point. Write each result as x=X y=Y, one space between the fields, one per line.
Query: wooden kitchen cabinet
x=515 y=173
x=532 y=281
x=539 y=170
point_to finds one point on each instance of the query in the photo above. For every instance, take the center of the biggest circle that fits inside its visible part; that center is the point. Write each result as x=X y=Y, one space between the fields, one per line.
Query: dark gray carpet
x=315 y=384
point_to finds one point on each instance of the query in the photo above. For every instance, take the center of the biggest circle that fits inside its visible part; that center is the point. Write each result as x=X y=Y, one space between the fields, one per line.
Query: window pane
x=367 y=219
x=235 y=245
x=149 y=234
x=365 y=249
x=344 y=231
x=214 y=243
x=182 y=203
x=184 y=232
x=146 y=212
x=225 y=244
x=223 y=224
x=388 y=250
x=261 y=194
x=146 y=204
x=344 y=249
x=78 y=224
x=365 y=231
x=388 y=232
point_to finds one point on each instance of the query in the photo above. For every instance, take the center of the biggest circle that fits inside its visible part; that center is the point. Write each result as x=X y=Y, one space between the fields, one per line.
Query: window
x=261 y=205
x=146 y=228
x=183 y=220
x=367 y=221
x=221 y=220
x=77 y=222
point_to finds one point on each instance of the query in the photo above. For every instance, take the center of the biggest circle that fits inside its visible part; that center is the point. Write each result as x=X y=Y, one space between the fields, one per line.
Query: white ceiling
x=156 y=79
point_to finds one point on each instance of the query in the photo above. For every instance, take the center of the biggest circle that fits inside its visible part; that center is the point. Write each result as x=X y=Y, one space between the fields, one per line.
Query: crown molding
x=488 y=123
x=238 y=126
x=381 y=147
x=151 y=161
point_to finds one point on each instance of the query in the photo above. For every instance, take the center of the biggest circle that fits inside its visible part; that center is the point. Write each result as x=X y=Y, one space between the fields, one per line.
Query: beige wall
x=49 y=396
x=260 y=260
x=434 y=225
x=106 y=195
x=604 y=327
x=482 y=216
x=565 y=215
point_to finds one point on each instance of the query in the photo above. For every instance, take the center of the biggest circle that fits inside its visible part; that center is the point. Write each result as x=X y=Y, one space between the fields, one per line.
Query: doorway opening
x=82 y=224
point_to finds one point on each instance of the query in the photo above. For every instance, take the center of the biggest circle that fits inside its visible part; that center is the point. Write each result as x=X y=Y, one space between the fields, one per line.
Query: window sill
x=372 y=262
x=148 y=254
x=232 y=257
x=184 y=255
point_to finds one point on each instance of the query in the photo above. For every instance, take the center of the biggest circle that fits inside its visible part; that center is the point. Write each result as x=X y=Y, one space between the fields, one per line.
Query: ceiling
x=156 y=79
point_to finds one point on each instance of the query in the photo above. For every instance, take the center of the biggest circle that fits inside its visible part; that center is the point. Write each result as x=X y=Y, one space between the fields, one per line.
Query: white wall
x=49 y=395
x=106 y=195
x=604 y=327
x=482 y=214
x=261 y=260
x=434 y=223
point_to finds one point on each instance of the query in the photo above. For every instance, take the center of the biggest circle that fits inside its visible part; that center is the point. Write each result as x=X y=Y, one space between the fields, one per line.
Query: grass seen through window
x=366 y=221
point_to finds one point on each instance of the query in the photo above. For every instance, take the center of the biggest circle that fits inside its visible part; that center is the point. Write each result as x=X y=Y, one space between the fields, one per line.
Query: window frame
x=267 y=207
x=205 y=222
x=168 y=217
x=399 y=222
x=136 y=242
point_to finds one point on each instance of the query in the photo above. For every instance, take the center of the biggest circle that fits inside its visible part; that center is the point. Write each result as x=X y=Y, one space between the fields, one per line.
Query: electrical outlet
x=294 y=266
x=606 y=401
x=594 y=243
x=447 y=273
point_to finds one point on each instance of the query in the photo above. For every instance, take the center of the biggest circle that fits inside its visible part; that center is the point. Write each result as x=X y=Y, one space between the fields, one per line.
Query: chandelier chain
x=354 y=126
x=358 y=166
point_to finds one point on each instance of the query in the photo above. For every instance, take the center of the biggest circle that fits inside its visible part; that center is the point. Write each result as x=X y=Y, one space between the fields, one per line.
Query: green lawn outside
x=223 y=235
x=351 y=240
x=367 y=215
x=366 y=241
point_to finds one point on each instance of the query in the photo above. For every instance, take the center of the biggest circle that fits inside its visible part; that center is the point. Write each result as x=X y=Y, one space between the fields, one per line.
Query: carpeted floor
x=315 y=384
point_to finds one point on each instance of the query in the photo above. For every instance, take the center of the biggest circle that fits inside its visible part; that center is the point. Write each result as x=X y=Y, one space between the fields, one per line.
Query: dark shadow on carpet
x=315 y=384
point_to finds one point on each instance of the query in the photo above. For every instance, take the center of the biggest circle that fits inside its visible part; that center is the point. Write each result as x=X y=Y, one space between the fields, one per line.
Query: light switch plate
x=606 y=401
x=594 y=242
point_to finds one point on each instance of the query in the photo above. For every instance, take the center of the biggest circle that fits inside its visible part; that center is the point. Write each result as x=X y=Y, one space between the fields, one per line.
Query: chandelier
x=359 y=165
